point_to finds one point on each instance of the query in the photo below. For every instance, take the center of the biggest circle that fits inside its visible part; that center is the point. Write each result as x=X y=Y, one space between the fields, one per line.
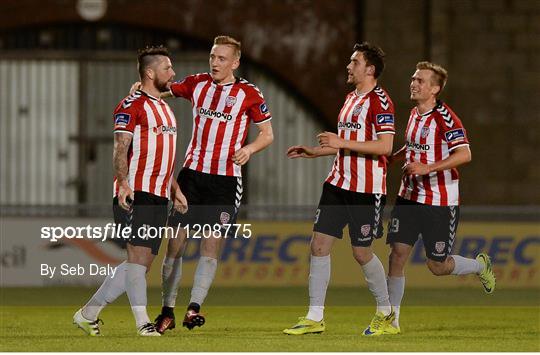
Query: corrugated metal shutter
x=273 y=179
x=39 y=110
x=40 y=133
x=108 y=82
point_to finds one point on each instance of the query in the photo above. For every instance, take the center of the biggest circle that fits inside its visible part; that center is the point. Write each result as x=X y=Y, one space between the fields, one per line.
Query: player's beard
x=161 y=85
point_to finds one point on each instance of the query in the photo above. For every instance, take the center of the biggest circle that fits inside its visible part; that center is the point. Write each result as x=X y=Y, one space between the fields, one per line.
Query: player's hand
x=242 y=156
x=330 y=140
x=136 y=86
x=179 y=201
x=416 y=168
x=301 y=151
x=125 y=196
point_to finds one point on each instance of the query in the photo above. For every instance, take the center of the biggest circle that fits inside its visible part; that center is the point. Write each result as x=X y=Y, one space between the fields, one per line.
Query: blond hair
x=229 y=41
x=439 y=73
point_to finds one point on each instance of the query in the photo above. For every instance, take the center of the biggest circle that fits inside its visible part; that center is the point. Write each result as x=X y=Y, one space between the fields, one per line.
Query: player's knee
x=398 y=258
x=362 y=255
x=319 y=247
x=437 y=268
x=176 y=247
x=210 y=247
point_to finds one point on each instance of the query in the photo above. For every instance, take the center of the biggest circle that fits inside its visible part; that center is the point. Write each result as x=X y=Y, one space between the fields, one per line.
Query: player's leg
x=439 y=239
x=112 y=287
x=149 y=212
x=171 y=274
x=319 y=274
x=138 y=264
x=399 y=254
x=365 y=224
x=221 y=197
x=171 y=269
x=403 y=231
x=319 y=277
x=329 y=223
x=202 y=281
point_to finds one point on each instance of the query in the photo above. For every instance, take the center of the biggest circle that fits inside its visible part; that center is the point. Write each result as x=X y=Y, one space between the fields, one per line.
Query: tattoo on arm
x=122 y=142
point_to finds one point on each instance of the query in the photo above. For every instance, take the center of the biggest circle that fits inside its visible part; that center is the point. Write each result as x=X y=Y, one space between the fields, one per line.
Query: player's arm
x=459 y=156
x=122 y=142
x=302 y=151
x=177 y=197
x=263 y=140
x=166 y=94
x=381 y=146
x=398 y=156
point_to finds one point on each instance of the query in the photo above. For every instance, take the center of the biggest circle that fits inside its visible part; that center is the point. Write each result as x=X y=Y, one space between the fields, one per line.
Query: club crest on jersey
x=425 y=131
x=164 y=130
x=385 y=118
x=122 y=119
x=365 y=229
x=455 y=135
x=224 y=217
x=357 y=110
x=230 y=101
x=440 y=246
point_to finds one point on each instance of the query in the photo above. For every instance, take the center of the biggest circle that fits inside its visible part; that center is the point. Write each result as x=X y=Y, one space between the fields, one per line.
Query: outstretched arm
x=381 y=146
x=302 y=151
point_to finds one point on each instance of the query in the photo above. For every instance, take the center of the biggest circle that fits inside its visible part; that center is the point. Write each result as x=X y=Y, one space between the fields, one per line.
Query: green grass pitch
x=251 y=319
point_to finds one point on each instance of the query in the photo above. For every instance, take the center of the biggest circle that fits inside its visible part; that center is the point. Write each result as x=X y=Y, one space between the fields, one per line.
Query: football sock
x=194 y=307
x=111 y=288
x=167 y=311
x=396 y=288
x=319 y=276
x=465 y=266
x=204 y=275
x=136 y=291
x=376 y=281
x=171 y=272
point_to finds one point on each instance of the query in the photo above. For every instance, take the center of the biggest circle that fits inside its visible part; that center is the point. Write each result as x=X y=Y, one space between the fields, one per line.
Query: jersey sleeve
x=451 y=128
x=125 y=117
x=258 y=110
x=185 y=87
x=382 y=112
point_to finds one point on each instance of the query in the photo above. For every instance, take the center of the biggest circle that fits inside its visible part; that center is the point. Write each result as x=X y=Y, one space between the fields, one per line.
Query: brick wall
x=490 y=49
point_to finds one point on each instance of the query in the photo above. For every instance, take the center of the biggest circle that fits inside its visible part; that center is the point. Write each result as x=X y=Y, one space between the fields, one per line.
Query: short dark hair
x=373 y=55
x=147 y=56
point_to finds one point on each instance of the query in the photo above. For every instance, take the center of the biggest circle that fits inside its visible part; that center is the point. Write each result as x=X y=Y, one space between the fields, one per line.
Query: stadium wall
x=490 y=48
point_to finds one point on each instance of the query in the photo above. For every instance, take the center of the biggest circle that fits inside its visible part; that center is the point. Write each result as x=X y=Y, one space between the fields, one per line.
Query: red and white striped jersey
x=221 y=115
x=361 y=119
x=430 y=138
x=151 y=156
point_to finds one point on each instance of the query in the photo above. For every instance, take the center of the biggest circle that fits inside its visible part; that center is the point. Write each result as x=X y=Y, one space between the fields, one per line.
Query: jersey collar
x=424 y=115
x=236 y=80
x=149 y=96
